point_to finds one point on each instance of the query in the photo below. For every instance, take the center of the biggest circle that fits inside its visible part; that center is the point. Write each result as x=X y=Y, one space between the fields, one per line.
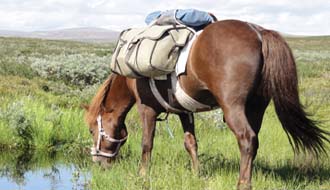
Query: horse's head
x=105 y=118
x=108 y=134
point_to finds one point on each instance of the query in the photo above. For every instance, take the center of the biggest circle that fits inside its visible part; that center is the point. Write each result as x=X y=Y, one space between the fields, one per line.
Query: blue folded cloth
x=152 y=16
x=189 y=17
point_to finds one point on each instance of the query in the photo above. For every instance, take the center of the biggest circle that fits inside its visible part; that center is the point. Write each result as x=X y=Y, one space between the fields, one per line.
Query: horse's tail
x=279 y=82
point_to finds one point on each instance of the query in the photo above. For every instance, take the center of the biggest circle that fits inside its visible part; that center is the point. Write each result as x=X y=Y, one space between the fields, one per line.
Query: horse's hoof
x=195 y=171
x=142 y=172
x=244 y=186
x=195 y=168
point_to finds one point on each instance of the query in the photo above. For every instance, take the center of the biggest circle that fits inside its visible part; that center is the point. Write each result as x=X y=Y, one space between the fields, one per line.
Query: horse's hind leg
x=190 y=143
x=234 y=101
x=255 y=109
x=247 y=141
x=245 y=122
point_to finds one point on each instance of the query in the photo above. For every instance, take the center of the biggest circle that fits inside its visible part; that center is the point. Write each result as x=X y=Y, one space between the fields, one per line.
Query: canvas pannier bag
x=149 y=52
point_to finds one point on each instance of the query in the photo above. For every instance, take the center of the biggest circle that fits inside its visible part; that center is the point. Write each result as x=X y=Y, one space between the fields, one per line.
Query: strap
x=184 y=99
x=254 y=27
x=181 y=96
x=96 y=150
x=160 y=99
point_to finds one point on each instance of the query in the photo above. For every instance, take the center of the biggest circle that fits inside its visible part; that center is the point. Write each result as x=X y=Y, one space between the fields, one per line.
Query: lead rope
x=169 y=130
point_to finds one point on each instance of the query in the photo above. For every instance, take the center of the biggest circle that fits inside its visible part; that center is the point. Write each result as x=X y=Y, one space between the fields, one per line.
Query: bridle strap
x=96 y=151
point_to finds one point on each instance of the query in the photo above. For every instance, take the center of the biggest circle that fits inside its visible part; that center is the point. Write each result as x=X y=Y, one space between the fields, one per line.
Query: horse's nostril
x=106 y=164
x=97 y=159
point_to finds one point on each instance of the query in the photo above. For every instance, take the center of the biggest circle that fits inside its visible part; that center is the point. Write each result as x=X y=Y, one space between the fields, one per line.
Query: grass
x=275 y=166
x=29 y=115
x=42 y=115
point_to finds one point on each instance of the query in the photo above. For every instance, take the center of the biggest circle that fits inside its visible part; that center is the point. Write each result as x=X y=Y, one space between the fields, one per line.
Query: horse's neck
x=119 y=96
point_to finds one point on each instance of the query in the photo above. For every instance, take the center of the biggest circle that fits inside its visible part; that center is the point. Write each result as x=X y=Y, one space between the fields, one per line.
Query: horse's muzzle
x=103 y=161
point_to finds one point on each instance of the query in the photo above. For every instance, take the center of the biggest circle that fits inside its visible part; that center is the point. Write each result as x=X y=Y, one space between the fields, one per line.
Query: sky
x=301 y=17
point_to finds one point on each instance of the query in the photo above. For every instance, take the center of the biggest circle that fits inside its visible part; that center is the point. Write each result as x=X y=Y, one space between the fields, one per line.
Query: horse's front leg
x=190 y=143
x=148 y=117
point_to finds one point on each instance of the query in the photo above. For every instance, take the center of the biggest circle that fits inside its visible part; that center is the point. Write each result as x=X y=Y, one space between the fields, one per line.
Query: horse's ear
x=85 y=106
x=213 y=17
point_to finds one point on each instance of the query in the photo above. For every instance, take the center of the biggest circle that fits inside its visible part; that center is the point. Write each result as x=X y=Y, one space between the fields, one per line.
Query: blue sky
x=305 y=17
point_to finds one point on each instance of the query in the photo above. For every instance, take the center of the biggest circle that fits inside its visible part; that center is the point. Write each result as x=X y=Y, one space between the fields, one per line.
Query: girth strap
x=188 y=103
x=160 y=99
x=184 y=99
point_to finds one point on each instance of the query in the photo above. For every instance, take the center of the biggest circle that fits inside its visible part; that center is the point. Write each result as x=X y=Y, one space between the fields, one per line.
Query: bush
x=16 y=66
x=19 y=122
x=77 y=69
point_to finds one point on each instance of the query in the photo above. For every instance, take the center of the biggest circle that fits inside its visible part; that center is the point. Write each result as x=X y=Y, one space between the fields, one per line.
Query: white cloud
x=295 y=16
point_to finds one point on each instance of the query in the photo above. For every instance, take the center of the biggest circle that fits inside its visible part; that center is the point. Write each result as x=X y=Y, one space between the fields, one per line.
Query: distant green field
x=43 y=83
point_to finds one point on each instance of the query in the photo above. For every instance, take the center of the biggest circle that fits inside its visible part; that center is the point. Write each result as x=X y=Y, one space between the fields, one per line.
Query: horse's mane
x=97 y=104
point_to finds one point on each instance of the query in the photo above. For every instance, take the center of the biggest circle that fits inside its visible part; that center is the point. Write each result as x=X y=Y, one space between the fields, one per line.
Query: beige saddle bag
x=149 y=52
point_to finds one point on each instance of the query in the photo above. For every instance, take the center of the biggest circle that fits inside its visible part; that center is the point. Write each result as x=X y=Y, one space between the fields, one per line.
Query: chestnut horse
x=237 y=66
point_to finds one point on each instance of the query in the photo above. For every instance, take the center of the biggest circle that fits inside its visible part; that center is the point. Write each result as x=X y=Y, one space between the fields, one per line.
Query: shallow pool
x=60 y=172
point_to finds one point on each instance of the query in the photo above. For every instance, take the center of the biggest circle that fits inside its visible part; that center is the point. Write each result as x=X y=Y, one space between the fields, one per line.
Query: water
x=59 y=172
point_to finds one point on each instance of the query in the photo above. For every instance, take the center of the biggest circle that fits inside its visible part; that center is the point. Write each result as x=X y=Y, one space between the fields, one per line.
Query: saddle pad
x=180 y=67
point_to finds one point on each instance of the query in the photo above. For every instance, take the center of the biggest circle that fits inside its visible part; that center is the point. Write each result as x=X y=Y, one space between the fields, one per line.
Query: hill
x=88 y=34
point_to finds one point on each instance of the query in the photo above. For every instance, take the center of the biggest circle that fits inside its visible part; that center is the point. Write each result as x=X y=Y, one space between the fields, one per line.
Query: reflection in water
x=35 y=170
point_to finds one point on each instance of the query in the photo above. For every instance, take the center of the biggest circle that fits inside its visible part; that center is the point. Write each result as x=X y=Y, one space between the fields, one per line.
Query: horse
x=237 y=66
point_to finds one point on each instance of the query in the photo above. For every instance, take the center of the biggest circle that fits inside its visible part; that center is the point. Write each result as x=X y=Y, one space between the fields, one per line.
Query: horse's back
x=226 y=58
x=227 y=41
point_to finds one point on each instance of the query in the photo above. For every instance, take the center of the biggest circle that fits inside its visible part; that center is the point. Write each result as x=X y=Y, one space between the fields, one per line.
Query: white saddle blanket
x=183 y=58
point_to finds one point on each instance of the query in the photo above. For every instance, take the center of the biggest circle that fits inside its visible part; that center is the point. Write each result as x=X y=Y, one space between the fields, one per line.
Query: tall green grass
x=30 y=123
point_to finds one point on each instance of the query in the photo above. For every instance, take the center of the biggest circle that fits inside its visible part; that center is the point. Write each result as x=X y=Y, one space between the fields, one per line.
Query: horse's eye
x=91 y=131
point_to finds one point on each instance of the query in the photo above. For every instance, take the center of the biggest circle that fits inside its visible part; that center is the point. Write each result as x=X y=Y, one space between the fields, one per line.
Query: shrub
x=16 y=66
x=77 y=69
x=19 y=122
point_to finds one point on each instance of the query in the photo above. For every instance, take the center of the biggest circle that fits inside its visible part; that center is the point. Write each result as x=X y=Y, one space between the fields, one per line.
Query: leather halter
x=96 y=151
